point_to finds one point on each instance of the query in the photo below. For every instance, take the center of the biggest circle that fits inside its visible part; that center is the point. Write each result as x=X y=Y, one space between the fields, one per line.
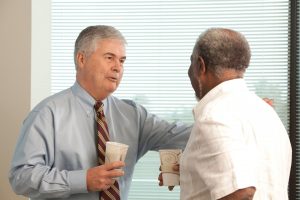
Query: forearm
x=42 y=182
x=242 y=194
x=164 y=135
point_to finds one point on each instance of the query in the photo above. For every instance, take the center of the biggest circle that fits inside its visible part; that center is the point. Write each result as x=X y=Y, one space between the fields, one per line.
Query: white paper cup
x=115 y=152
x=169 y=158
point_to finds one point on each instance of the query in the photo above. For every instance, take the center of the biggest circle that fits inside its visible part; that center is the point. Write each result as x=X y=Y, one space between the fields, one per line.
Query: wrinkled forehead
x=112 y=46
x=103 y=42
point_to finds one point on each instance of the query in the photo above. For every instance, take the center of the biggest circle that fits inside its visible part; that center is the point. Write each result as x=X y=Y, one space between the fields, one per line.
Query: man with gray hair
x=238 y=148
x=56 y=156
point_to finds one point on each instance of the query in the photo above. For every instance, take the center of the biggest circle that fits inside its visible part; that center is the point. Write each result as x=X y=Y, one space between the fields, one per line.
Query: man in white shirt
x=238 y=148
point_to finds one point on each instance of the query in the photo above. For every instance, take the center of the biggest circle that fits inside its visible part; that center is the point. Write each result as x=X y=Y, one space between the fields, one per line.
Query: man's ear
x=80 y=58
x=202 y=66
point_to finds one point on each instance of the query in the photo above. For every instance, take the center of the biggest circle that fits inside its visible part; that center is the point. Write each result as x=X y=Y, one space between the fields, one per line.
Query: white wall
x=16 y=85
x=40 y=50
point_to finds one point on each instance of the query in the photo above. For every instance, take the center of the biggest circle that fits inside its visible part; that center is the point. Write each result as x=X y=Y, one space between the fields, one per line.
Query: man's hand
x=246 y=193
x=101 y=177
x=161 y=183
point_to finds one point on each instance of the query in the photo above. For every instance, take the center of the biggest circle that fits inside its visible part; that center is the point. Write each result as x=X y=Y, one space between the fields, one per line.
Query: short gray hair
x=87 y=39
x=222 y=49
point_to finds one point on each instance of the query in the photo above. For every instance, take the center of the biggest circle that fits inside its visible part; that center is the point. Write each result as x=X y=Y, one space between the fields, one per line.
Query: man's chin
x=112 y=89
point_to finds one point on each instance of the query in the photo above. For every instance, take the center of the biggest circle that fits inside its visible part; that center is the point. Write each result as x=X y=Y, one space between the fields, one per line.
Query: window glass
x=161 y=35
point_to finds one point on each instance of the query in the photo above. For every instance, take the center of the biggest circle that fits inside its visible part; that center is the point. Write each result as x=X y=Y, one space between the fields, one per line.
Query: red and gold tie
x=112 y=193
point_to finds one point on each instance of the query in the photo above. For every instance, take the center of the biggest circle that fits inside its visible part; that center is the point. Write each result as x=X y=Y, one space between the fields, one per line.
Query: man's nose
x=117 y=66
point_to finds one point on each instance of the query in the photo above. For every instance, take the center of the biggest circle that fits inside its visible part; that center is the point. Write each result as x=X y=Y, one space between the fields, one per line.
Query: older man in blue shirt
x=56 y=154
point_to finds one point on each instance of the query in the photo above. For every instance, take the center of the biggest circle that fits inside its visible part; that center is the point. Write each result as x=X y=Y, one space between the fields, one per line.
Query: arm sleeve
x=32 y=173
x=229 y=162
x=157 y=133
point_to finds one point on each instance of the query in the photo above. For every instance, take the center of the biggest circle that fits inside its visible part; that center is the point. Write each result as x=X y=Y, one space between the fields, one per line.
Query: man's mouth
x=113 y=79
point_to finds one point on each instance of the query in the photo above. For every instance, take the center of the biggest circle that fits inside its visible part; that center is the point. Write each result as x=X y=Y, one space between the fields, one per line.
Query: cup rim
x=172 y=150
x=117 y=144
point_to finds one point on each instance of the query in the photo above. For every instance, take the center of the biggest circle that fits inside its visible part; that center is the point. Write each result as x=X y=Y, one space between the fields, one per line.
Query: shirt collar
x=84 y=98
x=226 y=86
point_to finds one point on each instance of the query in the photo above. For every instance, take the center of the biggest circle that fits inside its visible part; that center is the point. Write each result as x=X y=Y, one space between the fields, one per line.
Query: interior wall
x=15 y=20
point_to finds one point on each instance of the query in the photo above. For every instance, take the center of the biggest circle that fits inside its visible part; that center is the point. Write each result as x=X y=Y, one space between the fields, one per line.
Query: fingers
x=101 y=177
x=160 y=180
x=114 y=165
x=114 y=169
x=176 y=168
x=171 y=188
x=115 y=173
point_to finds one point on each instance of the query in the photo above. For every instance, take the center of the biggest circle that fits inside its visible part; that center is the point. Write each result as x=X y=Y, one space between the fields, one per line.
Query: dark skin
x=194 y=72
x=203 y=79
x=242 y=194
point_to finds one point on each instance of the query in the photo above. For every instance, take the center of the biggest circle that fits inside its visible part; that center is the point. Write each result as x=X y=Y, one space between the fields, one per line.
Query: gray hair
x=222 y=49
x=88 y=38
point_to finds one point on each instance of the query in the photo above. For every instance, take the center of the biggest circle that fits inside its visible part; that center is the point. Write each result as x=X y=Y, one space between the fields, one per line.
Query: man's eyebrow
x=112 y=54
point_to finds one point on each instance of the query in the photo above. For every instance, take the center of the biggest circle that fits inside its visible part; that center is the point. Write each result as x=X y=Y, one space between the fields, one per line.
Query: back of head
x=222 y=49
x=87 y=39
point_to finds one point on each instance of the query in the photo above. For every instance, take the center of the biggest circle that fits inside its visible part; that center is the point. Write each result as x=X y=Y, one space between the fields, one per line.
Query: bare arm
x=242 y=194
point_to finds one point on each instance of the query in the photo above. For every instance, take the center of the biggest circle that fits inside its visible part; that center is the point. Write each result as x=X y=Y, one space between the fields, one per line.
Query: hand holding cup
x=115 y=152
x=170 y=159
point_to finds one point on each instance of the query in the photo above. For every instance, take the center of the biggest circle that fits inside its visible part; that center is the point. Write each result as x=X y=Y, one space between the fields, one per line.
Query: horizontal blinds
x=160 y=36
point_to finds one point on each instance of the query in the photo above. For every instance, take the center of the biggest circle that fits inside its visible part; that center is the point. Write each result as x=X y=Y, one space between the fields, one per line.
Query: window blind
x=161 y=35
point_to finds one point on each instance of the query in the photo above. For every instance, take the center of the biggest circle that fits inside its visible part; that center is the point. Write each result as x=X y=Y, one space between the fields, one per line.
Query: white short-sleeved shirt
x=237 y=141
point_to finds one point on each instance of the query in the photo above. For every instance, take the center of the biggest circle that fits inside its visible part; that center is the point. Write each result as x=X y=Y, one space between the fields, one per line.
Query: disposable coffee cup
x=169 y=158
x=115 y=152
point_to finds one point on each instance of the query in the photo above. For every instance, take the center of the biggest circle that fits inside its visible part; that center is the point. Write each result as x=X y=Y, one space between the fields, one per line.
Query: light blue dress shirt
x=57 y=143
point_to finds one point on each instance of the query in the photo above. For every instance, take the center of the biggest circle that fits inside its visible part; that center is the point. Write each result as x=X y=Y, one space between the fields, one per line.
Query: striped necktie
x=112 y=193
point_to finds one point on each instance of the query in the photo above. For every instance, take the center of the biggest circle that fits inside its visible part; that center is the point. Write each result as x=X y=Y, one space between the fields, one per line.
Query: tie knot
x=98 y=106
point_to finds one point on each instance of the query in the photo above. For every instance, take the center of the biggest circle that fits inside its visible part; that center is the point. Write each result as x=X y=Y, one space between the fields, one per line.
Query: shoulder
x=125 y=103
x=126 y=106
x=53 y=103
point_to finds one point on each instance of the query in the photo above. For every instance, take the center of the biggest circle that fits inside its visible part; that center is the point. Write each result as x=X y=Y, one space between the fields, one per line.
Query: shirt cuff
x=78 y=181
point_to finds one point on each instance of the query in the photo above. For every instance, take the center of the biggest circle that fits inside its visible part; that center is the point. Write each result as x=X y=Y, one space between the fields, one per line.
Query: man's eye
x=122 y=61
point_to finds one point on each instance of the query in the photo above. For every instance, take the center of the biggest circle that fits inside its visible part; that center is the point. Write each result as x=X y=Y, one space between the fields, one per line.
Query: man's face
x=101 y=72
